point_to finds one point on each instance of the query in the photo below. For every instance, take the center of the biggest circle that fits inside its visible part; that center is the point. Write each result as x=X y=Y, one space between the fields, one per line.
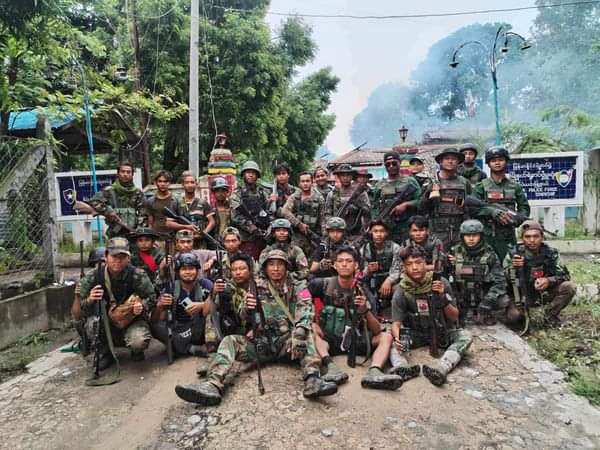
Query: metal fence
x=24 y=209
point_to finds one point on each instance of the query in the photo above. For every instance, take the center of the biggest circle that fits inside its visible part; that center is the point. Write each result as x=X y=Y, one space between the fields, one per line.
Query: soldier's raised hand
x=518 y=261
x=165 y=300
x=137 y=308
x=250 y=301
x=437 y=287
x=96 y=294
x=219 y=286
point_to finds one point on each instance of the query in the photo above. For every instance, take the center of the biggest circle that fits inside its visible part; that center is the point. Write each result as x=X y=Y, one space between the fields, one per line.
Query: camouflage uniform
x=131 y=280
x=125 y=201
x=229 y=305
x=283 y=194
x=325 y=190
x=156 y=254
x=198 y=212
x=448 y=212
x=434 y=248
x=479 y=280
x=309 y=211
x=509 y=193
x=389 y=267
x=472 y=174
x=357 y=215
x=298 y=268
x=385 y=192
x=546 y=263
x=250 y=207
x=411 y=309
x=277 y=341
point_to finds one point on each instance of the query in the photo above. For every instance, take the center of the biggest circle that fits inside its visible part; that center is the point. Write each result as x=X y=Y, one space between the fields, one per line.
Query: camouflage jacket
x=130 y=281
x=433 y=247
x=385 y=192
x=298 y=262
x=357 y=214
x=250 y=206
x=137 y=261
x=198 y=211
x=473 y=174
x=296 y=298
x=127 y=202
x=388 y=259
x=309 y=211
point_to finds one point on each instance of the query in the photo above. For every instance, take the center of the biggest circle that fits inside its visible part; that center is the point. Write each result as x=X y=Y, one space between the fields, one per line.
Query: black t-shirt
x=180 y=314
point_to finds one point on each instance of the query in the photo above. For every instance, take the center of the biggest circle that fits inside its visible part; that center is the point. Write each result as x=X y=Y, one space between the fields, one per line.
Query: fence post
x=51 y=238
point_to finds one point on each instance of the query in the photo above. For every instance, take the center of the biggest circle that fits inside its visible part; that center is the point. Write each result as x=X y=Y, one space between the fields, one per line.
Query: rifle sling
x=281 y=303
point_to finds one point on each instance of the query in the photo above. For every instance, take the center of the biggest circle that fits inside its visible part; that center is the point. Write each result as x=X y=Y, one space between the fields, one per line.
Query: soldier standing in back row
x=468 y=168
x=444 y=199
x=499 y=189
x=386 y=192
x=283 y=188
x=121 y=203
x=321 y=176
x=249 y=210
x=356 y=212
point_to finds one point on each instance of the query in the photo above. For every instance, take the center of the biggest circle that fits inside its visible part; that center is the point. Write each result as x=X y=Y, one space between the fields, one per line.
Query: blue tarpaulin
x=27 y=120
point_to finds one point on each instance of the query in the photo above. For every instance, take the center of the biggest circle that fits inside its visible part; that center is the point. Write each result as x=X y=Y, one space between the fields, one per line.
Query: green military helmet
x=186 y=260
x=96 y=255
x=281 y=223
x=496 y=152
x=250 y=165
x=276 y=254
x=468 y=146
x=471 y=226
x=335 y=223
x=449 y=151
x=219 y=183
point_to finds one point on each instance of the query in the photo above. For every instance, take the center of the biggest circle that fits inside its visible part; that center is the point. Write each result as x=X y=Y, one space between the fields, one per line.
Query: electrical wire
x=210 y=87
x=413 y=16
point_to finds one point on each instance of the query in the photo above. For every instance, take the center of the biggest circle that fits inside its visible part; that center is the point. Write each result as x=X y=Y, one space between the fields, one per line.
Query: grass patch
x=575 y=348
x=585 y=271
x=14 y=358
x=574 y=230
x=72 y=247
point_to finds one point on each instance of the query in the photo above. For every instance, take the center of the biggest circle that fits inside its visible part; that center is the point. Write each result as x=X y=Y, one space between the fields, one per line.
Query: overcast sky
x=367 y=53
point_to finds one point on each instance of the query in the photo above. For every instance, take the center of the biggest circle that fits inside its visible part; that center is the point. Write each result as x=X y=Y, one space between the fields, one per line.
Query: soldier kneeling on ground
x=419 y=302
x=479 y=282
x=285 y=334
x=342 y=299
x=189 y=303
x=546 y=279
x=130 y=297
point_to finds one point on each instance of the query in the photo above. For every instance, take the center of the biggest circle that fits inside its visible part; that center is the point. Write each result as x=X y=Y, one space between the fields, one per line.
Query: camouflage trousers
x=459 y=340
x=240 y=348
x=135 y=337
x=554 y=301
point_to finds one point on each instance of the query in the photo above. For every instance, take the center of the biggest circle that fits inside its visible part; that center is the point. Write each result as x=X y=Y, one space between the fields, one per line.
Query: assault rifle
x=519 y=283
x=359 y=189
x=402 y=196
x=353 y=314
x=81 y=264
x=433 y=301
x=182 y=220
x=258 y=327
x=170 y=289
x=86 y=208
x=516 y=219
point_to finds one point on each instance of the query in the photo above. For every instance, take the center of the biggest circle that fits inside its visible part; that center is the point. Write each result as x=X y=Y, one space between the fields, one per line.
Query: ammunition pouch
x=333 y=321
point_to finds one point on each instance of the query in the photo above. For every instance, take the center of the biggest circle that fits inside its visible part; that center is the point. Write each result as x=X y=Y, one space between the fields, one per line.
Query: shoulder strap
x=108 y=285
x=280 y=302
x=176 y=290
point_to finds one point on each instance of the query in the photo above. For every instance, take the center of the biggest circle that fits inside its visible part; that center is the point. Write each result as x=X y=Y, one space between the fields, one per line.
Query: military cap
x=531 y=225
x=471 y=226
x=416 y=159
x=343 y=168
x=184 y=235
x=118 y=246
x=335 y=223
x=449 y=151
x=276 y=254
x=186 y=260
x=144 y=231
x=95 y=256
x=281 y=223
x=468 y=146
x=250 y=165
x=496 y=152
x=219 y=183
x=231 y=230
x=391 y=156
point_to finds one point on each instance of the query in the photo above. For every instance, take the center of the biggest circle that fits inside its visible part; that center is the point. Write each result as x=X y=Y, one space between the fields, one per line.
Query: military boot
x=316 y=387
x=137 y=356
x=205 y=394
x=106 y=360
x=437 y=373
x=376 y=379
x=406 y=372
x=334 y=374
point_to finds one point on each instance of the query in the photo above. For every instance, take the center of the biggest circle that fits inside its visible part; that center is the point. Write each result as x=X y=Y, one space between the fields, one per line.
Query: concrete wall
x=34 y=311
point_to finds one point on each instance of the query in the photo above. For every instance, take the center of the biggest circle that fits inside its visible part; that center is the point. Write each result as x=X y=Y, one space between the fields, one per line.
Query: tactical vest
x=383 y=257
x=352 y=215
x=452 y=198
x=200 y=294
x=194 y=212
x=469 y=276
x=308 y=211
x=473 y=174
x=389 y=191
x=537 y=266
x=256 y=206
x=419 y=322
x=333 y=318
x=283 y=195
x=497 y=194
x=122 y=206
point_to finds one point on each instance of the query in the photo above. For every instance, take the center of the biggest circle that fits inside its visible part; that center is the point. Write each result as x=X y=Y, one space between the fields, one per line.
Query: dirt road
x=501 y=397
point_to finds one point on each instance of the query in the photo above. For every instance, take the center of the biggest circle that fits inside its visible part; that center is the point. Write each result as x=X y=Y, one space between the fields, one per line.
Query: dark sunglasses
x=391 y=163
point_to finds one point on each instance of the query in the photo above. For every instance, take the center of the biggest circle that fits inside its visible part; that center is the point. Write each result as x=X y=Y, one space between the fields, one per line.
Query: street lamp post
x=493 y=62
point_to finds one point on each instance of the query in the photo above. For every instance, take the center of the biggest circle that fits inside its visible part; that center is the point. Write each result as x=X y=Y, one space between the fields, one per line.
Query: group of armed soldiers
x=310 y=272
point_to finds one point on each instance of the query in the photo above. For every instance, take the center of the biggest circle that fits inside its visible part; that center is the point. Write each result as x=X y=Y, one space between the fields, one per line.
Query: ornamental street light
x=493 y=62
x=403 y=133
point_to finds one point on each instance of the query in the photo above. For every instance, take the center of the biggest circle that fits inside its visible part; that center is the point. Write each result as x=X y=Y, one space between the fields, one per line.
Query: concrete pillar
x=591 y=194
x=554 y=220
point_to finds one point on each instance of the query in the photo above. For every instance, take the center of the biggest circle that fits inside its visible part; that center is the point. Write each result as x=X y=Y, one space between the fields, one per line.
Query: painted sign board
x=550 y=179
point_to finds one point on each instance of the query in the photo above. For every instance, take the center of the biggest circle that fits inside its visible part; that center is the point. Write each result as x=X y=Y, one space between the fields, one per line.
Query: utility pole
x=194 y=156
